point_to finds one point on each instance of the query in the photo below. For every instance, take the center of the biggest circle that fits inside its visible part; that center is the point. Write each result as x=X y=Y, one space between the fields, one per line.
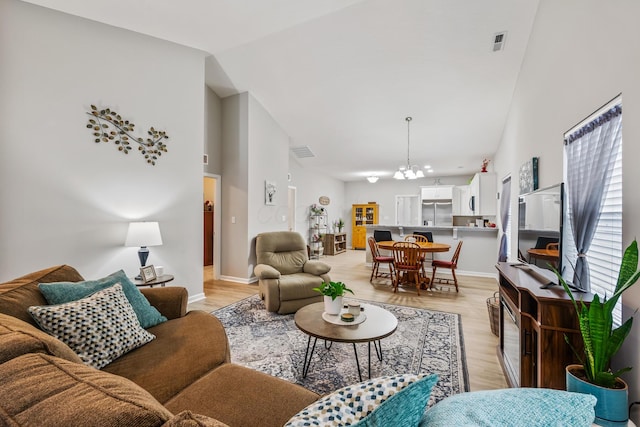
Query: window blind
x=605 y=253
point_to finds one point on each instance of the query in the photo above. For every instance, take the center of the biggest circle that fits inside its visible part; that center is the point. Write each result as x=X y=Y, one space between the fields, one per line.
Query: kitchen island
x=479 y=252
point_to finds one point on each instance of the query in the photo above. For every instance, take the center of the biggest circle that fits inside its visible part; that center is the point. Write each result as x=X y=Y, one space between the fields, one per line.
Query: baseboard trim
x=248 y=281
x=196 y=297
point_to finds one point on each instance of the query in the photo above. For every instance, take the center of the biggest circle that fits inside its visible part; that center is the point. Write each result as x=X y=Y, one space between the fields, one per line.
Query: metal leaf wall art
x=107 y=125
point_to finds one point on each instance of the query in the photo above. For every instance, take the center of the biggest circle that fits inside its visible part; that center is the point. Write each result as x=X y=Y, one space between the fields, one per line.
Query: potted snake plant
x=601 y=342
x=333 y=296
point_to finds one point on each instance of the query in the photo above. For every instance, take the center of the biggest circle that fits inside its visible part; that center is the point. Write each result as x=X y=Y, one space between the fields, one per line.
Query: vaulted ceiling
x=340 y=76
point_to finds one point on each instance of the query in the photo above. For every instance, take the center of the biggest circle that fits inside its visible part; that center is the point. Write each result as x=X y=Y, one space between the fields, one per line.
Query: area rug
x=425 y=342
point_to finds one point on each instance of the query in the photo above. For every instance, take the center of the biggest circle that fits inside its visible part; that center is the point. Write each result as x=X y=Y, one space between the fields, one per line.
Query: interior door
x=291 y=208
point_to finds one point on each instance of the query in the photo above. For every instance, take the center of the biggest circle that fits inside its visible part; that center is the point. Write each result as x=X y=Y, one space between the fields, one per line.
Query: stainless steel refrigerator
x=438 y=212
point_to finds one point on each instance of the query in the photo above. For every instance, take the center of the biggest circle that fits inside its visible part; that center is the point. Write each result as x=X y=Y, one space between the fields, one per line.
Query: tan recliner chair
x=286 y=275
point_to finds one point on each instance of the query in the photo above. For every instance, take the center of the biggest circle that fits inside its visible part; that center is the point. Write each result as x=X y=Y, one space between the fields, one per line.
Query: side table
x=160 y=280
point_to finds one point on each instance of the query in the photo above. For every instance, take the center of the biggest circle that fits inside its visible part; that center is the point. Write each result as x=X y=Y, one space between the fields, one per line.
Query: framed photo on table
x=148 y=273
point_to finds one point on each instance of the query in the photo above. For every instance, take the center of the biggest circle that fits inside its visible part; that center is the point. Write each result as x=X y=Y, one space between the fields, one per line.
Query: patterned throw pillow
x=397 y=400
x=61 y=292
x=99 y=328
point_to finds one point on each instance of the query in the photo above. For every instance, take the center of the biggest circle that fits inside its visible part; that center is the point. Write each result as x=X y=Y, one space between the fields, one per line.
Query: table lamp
x=143 y=234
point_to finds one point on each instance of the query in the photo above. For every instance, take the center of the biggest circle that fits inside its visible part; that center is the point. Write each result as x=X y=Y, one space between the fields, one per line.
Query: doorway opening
x=291 y=208
x=211 y=226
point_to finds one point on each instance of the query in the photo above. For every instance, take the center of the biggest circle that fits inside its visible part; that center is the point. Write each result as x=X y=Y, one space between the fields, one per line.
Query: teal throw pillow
x=396 y=400
x=62 y=292
x=526 y=407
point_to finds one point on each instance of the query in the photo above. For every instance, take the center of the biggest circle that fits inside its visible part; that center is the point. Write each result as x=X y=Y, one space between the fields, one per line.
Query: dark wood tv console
x=533 y=324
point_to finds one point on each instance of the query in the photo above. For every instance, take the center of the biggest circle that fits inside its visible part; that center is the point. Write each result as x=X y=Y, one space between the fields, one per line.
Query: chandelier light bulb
x=398 y=175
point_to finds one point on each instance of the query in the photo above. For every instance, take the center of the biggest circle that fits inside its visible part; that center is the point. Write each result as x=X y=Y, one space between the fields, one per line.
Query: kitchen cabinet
x=461 y=200
x=361 y=216
x=483 y=194
x=437 y=192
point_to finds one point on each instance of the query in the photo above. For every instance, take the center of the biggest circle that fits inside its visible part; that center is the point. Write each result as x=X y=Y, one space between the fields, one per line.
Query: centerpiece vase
x=612 y=407
x=332 y=306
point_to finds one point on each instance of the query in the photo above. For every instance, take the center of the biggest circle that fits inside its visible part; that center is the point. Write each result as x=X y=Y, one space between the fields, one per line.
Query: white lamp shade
x=398 y=175
x=143 y=234
x=372 y=179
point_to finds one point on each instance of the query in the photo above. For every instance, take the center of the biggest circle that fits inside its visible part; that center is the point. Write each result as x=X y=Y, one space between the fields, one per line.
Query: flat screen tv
x=540 y=216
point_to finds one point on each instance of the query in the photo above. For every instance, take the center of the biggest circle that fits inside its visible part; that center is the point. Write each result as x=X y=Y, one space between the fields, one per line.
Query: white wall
x=268 y=160
x=213 y=131
x=255 y=149
x=234 y=191
x=66 y=199
x=310 y=185
x=581 y=54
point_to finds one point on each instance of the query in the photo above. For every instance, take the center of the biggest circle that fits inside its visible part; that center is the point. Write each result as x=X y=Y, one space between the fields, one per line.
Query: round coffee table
x=379 y=324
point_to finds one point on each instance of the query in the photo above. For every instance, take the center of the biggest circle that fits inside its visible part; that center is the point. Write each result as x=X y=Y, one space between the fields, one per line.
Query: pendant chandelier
x=409 y=171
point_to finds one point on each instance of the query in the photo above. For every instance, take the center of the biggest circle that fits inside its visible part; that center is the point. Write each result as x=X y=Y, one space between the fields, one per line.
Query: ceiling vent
x=498 y=41
x=302 y=151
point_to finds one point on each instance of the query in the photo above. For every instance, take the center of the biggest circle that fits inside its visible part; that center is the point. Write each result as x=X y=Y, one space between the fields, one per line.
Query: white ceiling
x=340 y=76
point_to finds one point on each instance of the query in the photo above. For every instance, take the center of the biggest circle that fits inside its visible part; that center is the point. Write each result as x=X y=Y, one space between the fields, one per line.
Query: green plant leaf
x=601 y=341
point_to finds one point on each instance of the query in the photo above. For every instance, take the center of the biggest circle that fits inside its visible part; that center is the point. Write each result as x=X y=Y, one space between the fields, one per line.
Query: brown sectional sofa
x=185 y=371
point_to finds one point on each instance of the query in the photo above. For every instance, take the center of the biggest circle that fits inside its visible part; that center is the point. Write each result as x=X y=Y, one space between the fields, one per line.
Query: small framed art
x=270 y=193
x=148 y=273
x=529 y=176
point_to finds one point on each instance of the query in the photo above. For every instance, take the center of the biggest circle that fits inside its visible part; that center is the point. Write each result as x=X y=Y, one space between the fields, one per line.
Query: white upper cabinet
x=437 y=192
x=483 y=194
x=462 y=200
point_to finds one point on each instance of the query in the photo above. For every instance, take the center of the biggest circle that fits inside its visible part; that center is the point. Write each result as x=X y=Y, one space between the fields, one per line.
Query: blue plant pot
x=612 y=407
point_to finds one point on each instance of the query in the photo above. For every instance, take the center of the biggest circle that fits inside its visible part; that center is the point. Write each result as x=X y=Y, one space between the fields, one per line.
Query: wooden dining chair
x=418 y=238
x=406 y=262
x=453 y=264
x=415 y=238
x=427 y=234
x=378 y=259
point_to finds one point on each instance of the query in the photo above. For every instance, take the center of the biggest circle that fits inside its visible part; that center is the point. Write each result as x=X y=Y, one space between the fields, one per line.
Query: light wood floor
x=480 y=344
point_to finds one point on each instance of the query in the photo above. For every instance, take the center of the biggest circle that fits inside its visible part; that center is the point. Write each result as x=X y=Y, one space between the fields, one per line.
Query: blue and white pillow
x=397 y=400
x=99 y=328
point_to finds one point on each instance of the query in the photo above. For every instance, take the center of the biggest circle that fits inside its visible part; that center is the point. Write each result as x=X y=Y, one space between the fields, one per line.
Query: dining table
x=552 y=255
x=425 y=247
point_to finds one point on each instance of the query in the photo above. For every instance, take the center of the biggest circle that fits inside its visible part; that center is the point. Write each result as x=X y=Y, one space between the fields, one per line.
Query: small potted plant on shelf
x=339 y=224
x=316 y=210
x=601 y=341
x=333 y=295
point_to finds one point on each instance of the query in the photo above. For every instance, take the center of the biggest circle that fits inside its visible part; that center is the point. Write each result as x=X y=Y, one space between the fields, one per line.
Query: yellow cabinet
x=361 y=216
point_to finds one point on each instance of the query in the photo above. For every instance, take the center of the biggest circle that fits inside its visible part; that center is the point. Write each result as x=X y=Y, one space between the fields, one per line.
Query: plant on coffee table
x=333 y=294
x=333 y=289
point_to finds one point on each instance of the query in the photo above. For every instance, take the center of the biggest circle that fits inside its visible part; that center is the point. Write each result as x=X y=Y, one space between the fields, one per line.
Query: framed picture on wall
x=529 y=176
x=270 y=193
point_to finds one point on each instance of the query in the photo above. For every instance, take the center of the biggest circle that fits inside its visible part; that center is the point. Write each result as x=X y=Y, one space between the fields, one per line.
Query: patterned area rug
x=425 y=341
